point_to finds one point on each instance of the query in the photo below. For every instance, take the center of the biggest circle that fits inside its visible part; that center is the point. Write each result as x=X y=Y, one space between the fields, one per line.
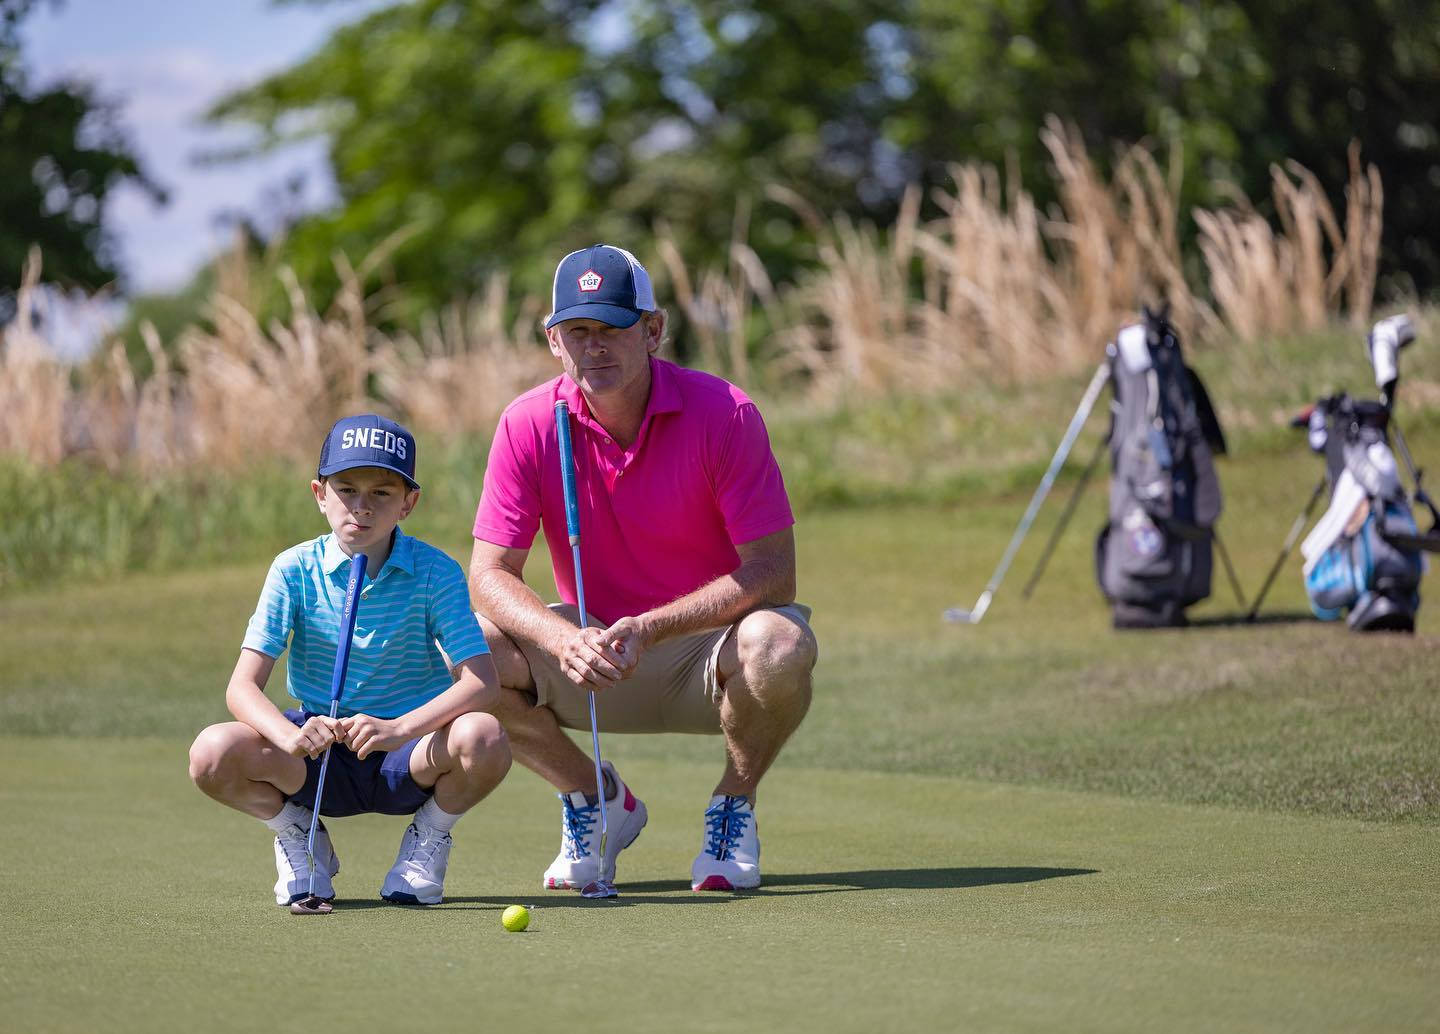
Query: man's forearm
x=768 y=582
x=516 y=609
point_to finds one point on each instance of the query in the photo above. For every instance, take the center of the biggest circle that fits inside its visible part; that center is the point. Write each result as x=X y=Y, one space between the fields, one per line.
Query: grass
x=934 y=904
x=1031 y=824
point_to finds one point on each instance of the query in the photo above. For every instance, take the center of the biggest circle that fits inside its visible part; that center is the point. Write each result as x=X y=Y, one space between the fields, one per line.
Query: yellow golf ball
x=515 y=918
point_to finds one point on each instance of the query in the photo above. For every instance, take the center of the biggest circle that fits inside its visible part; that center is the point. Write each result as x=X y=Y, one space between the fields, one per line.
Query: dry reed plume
x=992 y=288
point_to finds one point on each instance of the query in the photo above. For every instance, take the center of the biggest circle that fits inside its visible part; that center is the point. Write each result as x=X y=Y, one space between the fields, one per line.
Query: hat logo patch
x=590 y=281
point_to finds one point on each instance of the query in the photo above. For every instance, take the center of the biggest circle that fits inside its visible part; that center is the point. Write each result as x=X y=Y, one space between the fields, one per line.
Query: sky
x=164 y=62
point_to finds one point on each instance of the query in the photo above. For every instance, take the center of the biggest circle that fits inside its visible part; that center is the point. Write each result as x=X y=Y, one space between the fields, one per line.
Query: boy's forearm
x=475 y=690
x=249 y=704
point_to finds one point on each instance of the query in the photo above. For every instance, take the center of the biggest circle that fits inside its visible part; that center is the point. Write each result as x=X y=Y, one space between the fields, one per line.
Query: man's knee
x=510 y=662
x=772 y=647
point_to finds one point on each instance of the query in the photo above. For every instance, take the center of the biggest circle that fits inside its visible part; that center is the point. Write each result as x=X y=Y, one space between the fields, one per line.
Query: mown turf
x=891 y=903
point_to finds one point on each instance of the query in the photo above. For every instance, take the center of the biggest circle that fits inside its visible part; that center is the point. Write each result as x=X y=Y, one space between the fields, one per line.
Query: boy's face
x=363 y=505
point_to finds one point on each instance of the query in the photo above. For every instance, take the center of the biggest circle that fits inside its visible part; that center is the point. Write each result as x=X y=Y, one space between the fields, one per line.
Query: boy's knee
x=479 y=739
x=210 y=756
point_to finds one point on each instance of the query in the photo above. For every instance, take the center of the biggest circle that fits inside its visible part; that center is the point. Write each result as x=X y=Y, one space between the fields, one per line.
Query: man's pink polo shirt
x=656 y=521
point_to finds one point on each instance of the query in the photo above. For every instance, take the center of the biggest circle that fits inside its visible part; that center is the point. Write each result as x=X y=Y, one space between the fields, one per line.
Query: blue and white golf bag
x=1364 y=556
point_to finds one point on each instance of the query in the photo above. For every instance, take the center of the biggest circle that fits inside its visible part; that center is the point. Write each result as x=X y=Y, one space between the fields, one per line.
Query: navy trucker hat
x=601 y=282
x=368 y=440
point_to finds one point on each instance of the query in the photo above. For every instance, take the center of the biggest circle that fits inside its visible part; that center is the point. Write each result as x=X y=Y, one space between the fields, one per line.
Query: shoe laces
x=578 y=824
x=725 y=824
x=421 y=848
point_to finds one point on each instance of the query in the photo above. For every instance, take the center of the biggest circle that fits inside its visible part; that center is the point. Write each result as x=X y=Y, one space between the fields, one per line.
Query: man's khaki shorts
x=675 y=687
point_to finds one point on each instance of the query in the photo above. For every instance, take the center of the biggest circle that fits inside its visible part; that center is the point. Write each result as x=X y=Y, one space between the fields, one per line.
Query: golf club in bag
x=1365 y=556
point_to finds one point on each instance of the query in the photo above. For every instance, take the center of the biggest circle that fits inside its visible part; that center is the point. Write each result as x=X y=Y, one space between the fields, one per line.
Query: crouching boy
x=413 y=733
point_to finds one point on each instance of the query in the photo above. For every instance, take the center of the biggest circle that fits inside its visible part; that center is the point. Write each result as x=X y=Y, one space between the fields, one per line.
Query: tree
x=1366 y=70
x=493 y=134
x=61 y=153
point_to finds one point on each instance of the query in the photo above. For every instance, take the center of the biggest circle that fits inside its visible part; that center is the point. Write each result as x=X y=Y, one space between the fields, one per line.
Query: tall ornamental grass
x=991 y=291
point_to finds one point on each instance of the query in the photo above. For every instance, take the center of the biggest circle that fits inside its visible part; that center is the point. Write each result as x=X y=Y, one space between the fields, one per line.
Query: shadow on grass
x=1280 y=617
x=670 y=892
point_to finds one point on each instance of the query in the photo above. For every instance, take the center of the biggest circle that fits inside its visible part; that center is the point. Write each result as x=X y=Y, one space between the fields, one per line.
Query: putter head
x=311 y=906
x=601 y=888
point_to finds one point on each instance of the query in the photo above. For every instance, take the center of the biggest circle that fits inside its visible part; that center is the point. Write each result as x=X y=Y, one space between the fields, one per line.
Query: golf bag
x=1153 y=556
x=1365 y=554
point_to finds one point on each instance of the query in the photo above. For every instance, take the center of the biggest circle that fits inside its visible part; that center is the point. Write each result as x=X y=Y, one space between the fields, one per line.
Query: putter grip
x=567 y=471
x=358 y=564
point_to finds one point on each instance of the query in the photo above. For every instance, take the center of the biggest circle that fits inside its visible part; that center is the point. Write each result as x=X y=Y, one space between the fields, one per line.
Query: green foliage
x=62 y=151
x=479 y=136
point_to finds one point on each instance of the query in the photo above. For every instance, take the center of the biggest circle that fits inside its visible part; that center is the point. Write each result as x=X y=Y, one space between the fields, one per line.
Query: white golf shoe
x=730 y=857
x=292 y=865
x=579 y=862
x=418 y=875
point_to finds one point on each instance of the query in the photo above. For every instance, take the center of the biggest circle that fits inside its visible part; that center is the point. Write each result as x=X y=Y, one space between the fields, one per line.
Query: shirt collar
x=402 y=556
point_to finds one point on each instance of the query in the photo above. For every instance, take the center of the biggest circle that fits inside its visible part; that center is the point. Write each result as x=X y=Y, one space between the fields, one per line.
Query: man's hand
x=629 y=638
x=318 y=732
x=363 y=734
x=590 y=661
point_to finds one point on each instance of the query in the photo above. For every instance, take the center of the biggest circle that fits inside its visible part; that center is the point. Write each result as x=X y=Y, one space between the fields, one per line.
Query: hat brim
x=611 y=315
x=336 y=468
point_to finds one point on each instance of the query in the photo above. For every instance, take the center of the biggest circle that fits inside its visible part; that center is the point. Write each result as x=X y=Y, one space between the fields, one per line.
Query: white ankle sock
x=432 y=816
x=291 y=815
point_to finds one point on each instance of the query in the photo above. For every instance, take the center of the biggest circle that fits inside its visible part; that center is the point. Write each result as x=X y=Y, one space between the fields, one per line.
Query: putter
x=599 y=887
x=313 y=905
x=960 y=615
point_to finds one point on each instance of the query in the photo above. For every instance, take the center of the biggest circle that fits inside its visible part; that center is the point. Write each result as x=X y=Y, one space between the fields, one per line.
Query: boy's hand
x=363 y=734
x=318 y=732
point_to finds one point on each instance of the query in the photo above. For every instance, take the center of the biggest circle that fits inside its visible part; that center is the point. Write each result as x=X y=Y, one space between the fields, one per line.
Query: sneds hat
x=368 y=440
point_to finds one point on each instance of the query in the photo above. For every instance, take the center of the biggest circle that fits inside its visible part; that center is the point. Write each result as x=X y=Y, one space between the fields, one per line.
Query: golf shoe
x=578 y=862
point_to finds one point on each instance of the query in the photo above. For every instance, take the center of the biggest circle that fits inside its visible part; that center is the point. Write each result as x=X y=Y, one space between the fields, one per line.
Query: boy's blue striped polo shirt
x=418 y=599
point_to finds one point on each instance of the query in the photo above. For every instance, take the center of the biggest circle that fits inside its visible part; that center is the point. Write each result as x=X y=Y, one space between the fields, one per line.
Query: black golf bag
x=1365 y=555
x=1153 y=557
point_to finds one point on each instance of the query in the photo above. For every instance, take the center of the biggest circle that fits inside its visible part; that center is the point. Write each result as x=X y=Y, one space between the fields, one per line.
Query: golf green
x=891 y=902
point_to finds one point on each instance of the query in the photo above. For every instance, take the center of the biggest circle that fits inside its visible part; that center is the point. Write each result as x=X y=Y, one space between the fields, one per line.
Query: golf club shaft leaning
x=358 y=564
x=572 y=528
x=1295 y=528
x=1082 y=412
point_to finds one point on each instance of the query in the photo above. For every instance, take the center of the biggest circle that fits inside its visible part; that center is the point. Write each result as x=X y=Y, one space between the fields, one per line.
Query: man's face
x=606 y=360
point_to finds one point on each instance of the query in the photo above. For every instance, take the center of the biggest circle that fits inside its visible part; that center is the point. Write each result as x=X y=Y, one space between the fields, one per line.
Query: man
x=689 y=569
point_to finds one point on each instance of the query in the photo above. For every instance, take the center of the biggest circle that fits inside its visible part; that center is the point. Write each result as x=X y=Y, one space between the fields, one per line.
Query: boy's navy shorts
x=381 y=784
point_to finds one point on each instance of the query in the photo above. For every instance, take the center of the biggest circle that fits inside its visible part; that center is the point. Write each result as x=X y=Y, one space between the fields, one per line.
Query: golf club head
x=1384 y=343
x=961 y=616
x=311 y=906
x=601 y=888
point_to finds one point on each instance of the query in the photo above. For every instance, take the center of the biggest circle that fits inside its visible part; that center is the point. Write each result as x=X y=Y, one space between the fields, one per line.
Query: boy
x=413 y=736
